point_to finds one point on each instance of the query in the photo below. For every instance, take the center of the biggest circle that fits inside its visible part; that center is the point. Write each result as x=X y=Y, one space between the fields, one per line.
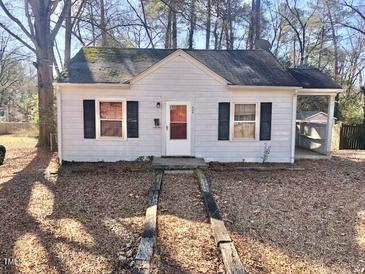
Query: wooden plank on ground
x=148 y=240
x=220 y=232
x=145 y=249
x=231 y=260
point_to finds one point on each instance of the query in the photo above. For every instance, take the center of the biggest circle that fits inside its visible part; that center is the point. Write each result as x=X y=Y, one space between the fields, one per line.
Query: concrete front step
x=178 y=163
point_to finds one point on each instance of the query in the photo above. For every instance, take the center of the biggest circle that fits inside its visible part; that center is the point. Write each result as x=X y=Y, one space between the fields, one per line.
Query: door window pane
x=178 y=113
x=178 y=122
x=178 y=131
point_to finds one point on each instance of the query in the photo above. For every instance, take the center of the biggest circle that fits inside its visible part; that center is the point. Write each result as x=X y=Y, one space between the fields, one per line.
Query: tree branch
x=16 y=20
x=17 y=37
x=60 y=19
x=354 y=28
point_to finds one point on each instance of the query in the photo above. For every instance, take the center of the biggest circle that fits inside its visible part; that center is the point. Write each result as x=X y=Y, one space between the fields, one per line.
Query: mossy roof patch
x=238 y=67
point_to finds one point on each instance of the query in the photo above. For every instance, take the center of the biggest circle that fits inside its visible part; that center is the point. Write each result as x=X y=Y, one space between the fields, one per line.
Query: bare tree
x=9 y=64
x=299 y=24
x=358 y=11
x=40 y=40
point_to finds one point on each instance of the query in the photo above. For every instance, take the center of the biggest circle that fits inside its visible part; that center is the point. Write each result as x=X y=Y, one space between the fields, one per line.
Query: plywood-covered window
x=111 y=119
x=244 y=121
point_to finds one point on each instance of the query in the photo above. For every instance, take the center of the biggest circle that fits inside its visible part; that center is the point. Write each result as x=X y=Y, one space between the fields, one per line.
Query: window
x=178 y=122
x=111 y=122
x=244 y=122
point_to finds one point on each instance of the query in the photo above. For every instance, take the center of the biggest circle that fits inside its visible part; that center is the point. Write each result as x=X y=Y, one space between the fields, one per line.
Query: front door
x=178 y=129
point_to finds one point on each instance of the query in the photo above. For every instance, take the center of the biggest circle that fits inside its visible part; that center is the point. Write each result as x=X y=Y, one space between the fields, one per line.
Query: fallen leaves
x=297 y=221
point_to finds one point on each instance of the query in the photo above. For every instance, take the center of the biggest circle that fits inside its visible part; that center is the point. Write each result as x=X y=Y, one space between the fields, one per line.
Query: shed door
x=178 y=125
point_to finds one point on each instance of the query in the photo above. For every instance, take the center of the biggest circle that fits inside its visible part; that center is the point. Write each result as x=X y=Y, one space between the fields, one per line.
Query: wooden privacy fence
x=352 y=136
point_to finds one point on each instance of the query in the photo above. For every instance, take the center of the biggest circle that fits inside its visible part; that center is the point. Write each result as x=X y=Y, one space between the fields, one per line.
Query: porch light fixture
x=158 y=105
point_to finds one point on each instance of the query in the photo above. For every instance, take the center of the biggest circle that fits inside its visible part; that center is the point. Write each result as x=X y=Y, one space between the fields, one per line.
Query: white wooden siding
x=176 y=80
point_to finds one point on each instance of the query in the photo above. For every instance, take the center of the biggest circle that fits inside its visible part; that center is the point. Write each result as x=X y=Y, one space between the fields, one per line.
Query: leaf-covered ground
x=310 y=221
x=85 y=218
x=185 y=243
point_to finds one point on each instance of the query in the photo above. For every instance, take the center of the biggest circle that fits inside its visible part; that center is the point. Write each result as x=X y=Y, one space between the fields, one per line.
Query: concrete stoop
x=178 y=163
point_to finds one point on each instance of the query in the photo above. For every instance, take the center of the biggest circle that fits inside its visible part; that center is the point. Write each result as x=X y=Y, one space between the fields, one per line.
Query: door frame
x=188 y=127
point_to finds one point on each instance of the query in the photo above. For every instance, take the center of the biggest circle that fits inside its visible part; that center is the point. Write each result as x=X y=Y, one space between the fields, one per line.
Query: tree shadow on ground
x=72 y=222
x=81 y=218
x=298 y=221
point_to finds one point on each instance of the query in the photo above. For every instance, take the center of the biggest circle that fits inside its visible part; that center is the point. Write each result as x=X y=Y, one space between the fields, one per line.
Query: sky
x=18 y=10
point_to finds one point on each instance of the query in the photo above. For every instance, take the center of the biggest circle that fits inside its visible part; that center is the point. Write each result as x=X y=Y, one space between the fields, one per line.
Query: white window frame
x=257 y=121
x=98 y=120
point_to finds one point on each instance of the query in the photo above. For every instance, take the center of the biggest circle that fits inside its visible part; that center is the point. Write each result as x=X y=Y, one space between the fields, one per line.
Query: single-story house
x=221 y=105
x=312 y=117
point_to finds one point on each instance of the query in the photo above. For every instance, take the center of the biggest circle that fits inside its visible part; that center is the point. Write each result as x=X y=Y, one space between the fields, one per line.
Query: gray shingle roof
x=305 y=114
x=117 y=65
x=313 y=78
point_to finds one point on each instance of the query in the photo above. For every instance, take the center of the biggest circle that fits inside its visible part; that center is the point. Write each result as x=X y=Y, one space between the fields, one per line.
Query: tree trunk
x=229 y=31
x=257 y=21
x=192 y=24
x=207 y=34
x=251 y=30
x=335 y=44
x=103 y=25
x=68 y=32
x=174 y=30
x=363 y=108
x=44 y=54
x=215 y=34
x=168 y=30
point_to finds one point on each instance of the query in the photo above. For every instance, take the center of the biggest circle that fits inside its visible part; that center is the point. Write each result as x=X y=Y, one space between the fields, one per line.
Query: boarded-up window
x=111 y=119
x=244 y=124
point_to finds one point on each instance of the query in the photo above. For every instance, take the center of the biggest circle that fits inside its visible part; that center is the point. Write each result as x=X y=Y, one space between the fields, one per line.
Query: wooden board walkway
x=148 y=241
x=231 y=260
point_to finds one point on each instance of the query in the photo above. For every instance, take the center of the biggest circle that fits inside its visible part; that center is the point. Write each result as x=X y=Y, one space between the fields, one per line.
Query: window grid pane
x=111 y=119
x=111 y=128
x=244 y=112
x=244 y=130
x=111 y=110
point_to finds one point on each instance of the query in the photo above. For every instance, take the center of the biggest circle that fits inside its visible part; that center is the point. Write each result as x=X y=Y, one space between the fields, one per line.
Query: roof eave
x=253 y=87
x=97 y=85
x=319 y=91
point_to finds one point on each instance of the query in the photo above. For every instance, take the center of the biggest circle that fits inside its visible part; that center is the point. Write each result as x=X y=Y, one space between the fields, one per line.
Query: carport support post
x=330 y=120
x=294 y=126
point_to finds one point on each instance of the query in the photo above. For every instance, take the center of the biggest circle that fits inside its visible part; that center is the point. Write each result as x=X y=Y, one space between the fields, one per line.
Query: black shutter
x=89 y=119
x=132 y=119
x=223 y=121
x=265 y=121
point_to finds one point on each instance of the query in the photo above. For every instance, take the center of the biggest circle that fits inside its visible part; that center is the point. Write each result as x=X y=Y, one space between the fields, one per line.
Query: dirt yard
x=87 y=218
x=310 y=221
